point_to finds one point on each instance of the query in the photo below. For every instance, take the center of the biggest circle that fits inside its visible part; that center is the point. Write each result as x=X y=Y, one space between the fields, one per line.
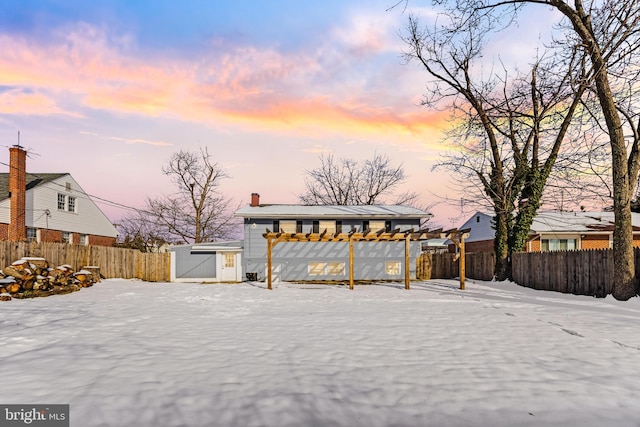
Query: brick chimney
x=255 y=199
x=18 y=189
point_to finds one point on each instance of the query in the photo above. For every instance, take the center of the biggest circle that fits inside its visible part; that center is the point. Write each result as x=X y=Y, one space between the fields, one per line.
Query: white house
x=49 y=207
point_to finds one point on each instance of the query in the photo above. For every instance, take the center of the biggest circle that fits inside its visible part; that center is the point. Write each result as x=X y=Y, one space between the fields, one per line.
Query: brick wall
x=595 y=242
x=101 y=240
x=4 y=231
x=18 y=189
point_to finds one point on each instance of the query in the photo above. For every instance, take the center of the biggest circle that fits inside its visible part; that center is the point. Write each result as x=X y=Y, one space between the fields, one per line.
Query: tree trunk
x=500 y=246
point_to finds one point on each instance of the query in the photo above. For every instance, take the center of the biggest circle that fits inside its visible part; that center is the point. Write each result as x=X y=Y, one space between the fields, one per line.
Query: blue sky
x=109 y=90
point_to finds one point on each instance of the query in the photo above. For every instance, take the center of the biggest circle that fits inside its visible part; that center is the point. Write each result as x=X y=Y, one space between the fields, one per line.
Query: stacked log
x=32 y=277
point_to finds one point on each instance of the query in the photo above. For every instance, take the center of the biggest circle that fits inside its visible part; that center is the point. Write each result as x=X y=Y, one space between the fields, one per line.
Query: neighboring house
x=207 y=262
x=293 y=261
x=49 y=207
x=551 y=231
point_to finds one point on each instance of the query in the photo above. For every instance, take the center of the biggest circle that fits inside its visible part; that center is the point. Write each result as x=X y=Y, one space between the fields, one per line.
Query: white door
x=229 y=267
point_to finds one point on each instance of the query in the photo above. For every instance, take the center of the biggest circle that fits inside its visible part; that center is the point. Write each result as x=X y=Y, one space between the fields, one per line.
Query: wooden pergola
x=455 y=235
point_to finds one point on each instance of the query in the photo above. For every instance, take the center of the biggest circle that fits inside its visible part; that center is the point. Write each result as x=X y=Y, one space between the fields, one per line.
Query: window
x=377 y=225
x=32 y=234
x=335 y=268
x=338 y=226
x=558 y=245
x=288 y=226
x=316 y=268
x=62 y=202
x=84 y=239
x=326 y=268
x=315 y=228
x=67 y=186
x=393 y=268
x=229 y=260
x=66 y=237
x=387 y=226
x=330 y=226
x=365 y=225
x=71 y=204
x=298 y=226
x=276 y=226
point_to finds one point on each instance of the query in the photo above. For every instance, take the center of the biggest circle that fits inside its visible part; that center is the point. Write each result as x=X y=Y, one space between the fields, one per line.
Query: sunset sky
x=108 y=90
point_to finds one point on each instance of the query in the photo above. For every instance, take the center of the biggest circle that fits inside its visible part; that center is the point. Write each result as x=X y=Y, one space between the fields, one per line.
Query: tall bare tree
x=510 y=129
x=348 y=182
x=197 y=211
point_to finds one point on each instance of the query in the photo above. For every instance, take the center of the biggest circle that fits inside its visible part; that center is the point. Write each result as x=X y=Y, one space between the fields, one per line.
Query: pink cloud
x=264 y=87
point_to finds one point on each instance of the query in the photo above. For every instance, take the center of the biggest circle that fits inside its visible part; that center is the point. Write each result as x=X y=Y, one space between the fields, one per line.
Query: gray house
x=318 y=261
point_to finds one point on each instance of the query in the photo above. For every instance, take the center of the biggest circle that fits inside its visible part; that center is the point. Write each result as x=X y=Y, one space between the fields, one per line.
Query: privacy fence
x=113 y=262
x=478 y=266
x=586 y=272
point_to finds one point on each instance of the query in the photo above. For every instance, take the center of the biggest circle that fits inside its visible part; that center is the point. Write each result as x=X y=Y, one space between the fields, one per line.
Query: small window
x=387 y=226
x=66 y=237
x=335 y=268
x=315 y=228
x=330 y=226
x=276 y=226
x=298 y=226
x=288 y=226
x=84 y=239
x=62 y=202
x=67 y=186
x=377 y=225
x=71 y=204
x=32 y=234
x=229 y=260
x=316 y=268
x=393 y=268
x=365 y=225
x=338 y=226
x=478 y=219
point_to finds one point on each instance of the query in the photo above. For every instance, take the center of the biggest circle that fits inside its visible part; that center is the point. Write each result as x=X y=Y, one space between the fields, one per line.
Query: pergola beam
x=457 y=236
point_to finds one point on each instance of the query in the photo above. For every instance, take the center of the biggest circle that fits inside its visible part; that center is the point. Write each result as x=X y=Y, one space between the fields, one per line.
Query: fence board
x=586 y=272
x=113 y=262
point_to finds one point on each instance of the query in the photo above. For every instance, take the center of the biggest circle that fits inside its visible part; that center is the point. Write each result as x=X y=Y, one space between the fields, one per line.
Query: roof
x=481 y=227
x=330 y=211
x=578 y=222
x=33 y=180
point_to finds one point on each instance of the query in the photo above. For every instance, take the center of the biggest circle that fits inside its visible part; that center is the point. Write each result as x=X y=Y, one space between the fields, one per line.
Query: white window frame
x=62 y=202
x=67 y=237
x=84 y=239
x=229 y=260
x=72 y=205
x=33 y=238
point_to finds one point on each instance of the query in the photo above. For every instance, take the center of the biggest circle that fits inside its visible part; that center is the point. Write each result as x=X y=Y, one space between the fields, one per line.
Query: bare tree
x=510 y=129
x=197 y=211
x=139 y=231
x=608 y=32
x=347 y=182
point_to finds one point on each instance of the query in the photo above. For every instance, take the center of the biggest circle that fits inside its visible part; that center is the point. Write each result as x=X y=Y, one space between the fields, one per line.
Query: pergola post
x=269 y=262
x=407 y=277
x=351 y=263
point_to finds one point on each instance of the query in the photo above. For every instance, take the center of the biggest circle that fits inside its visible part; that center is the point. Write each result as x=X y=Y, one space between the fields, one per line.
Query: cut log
x=95 y=272
x=13 y=288
x=18 y=273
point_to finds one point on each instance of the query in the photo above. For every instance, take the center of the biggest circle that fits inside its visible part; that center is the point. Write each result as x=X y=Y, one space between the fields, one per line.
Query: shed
x=207 y=262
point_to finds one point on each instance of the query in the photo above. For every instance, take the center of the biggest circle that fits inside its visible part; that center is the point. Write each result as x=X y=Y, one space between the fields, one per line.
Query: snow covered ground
x=129 y=353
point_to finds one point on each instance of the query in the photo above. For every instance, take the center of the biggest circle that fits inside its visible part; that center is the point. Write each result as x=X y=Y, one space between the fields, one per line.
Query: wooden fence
x=113 y=262
x=478 y=265
x=586 y=272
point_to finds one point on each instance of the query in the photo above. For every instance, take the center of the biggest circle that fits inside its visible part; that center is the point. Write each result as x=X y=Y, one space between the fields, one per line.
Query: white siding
x=88 y=218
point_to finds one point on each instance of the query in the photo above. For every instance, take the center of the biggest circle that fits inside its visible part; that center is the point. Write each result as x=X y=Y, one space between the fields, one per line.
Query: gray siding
x=291 y=259
x=194 y=265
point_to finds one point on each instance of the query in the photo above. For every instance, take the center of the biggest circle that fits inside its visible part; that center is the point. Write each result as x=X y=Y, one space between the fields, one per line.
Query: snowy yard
x=129 y=353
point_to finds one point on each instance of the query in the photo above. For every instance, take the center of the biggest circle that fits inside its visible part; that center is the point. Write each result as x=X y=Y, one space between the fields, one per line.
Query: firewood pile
x=33 y=277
